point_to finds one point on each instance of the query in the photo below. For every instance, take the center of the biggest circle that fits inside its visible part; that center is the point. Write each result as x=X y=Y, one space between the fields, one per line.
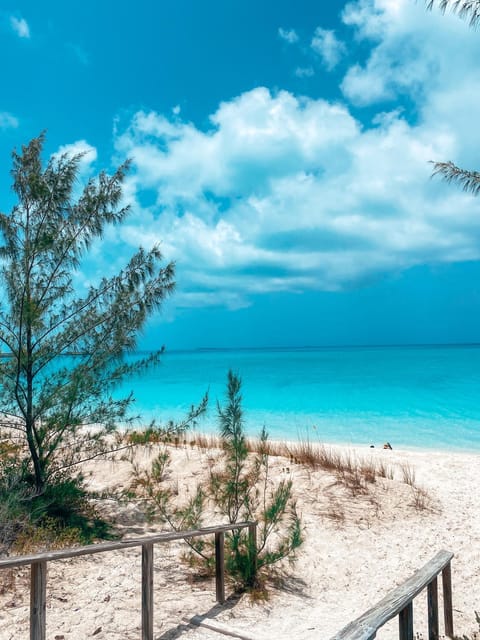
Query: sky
x=281 y=156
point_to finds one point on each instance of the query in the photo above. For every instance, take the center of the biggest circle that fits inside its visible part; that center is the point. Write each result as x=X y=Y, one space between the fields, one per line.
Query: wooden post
x=447 y=600
x=220 y=566
x=405 y=622
x=38 y=600
x=432 y=602
x=147 y=591
x=252 y=542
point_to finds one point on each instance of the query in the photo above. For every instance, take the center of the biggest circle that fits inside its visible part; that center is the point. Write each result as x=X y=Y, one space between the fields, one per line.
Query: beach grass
x=351 y=470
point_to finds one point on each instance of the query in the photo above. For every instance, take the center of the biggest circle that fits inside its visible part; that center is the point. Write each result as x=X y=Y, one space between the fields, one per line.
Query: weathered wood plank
x=168 y=536
x=220 y=566
x=447 y=600
x=356 y=631
x=432 y=604
x=38 y=600
x=366 y=626
x=405 y=623
x=147 y=591
x=38 y=567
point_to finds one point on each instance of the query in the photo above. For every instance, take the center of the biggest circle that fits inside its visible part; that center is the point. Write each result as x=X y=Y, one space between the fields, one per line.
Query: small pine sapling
x=239 y=488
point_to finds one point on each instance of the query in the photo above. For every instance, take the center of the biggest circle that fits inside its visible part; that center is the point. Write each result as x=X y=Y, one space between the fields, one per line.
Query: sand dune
x=355 y=550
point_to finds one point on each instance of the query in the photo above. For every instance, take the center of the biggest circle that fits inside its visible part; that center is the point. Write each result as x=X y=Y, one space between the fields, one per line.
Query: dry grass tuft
x=205 y=442
x=368 y=470
x=384 y=470
x=408 y=473
x=421 y=499
x=305 y=454
x=336 y=513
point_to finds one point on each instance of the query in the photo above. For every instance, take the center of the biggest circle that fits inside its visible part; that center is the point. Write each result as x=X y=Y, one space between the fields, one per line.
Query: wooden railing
x=38 y=569
x=400 y=602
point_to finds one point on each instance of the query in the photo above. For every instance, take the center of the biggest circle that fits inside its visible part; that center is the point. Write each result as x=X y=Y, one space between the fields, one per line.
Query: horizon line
x=386 y=345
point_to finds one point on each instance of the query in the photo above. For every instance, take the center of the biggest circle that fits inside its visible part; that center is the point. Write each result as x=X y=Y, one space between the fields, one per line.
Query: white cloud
x=304 y=72
x=289 y=35
x=253 y=139
x=8 y=121
x=370 y=19
x=88 y=153
x=20 y=26
x=283 y=192
x=330 y=49
x=412 y=51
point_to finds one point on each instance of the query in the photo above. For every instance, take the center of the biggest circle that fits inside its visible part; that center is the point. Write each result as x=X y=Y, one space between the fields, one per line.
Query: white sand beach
x=355 y=550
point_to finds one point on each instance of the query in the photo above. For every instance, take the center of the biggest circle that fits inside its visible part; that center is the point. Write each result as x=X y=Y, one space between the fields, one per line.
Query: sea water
x=408 y=396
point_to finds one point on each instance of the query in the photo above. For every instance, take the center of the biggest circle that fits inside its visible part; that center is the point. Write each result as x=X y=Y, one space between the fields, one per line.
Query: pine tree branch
x=468 y=180
x=463 y=8
x=98 y=454
x=116 y=283
x=74 y=238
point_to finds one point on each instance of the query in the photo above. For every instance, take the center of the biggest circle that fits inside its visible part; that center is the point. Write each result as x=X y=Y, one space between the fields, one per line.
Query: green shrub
x=60 y=515
x=15 y=517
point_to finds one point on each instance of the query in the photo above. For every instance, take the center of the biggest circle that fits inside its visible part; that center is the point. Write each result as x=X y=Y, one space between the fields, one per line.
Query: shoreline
x=190 y=433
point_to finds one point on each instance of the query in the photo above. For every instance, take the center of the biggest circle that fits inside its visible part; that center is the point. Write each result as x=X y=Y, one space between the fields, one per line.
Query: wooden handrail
x=399 y=602
x=38 y=569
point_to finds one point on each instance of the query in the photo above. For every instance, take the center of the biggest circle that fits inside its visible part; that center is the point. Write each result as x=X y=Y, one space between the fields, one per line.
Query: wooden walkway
x=38 y=569
x=399 y=602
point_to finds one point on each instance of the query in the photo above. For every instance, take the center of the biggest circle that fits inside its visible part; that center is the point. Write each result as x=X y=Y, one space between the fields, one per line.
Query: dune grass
x=355 y=473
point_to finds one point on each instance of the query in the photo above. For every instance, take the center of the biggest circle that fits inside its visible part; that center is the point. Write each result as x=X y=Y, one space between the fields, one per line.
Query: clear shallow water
x=409 y=396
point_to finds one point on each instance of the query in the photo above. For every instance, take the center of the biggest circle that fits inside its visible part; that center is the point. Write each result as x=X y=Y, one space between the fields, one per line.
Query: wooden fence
x=400 y=602
x=38 y=569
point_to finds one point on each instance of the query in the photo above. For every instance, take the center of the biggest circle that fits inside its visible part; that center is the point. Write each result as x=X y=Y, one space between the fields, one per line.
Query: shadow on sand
x=294 y=586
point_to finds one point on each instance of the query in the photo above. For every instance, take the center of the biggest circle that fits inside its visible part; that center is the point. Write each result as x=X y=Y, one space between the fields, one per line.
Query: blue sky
x=280 y=155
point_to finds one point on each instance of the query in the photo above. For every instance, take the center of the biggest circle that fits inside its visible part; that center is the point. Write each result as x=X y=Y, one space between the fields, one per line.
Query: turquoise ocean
x=419 y=396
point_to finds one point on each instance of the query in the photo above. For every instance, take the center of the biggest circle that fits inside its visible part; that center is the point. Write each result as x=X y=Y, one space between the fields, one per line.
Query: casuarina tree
x=63 y=349
x=464 y=8
x=467 y=179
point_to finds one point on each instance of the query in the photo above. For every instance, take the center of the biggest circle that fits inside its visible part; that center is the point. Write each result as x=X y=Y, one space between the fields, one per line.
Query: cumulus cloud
x=83 y=148
x=8 y=121
x=412 y=52
x=289 y=35
x=281 y=192
x=20 y=26
x=330 y=49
